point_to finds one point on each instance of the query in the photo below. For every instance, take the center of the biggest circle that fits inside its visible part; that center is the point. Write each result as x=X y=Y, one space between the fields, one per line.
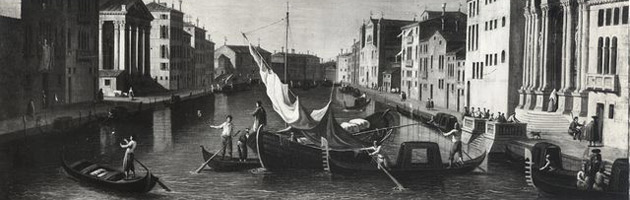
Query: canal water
x=169 y=141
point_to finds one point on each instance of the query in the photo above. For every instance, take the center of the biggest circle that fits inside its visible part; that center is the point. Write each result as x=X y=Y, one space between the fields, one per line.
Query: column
x=101 y=58
x=584 y=43
x=128 y=49
x=580 y=97
x=565 y=46
x=535 y=56
x=544 y=75
x=147 y=50
x=136 y=61
x=525 y=83
x=116 y=45
x=121 y=46
x=140 y=50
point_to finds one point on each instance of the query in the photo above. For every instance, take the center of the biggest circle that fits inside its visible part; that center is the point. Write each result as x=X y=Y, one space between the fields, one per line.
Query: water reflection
x=162 y=131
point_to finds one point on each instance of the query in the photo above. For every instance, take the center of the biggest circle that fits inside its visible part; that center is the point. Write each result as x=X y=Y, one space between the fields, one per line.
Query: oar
x=386 y=128
x=398 y=185
x=208 y=161
x=156 y=178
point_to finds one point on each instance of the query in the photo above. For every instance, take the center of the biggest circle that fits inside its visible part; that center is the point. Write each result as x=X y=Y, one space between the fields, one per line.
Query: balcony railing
x=474 y=125
x=506 y=129
x=602 y=82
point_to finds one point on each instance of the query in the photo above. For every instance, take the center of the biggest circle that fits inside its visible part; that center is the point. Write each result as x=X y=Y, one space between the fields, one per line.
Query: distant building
x=454 y=77
x=379 y=45
x=427 y=48
x=355 y=62
x=586 y=63
x=344 y=62
x=237 y=61
x=494 y=54
x=391 y=79
x=329 y=69
x=301 y=67
x=168 y=46
x=202 y=56
x=60 y=50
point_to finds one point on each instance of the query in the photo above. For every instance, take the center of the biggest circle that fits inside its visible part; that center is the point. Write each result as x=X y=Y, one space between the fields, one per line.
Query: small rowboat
x=109 y=178
x=359 y=106
x=228 y=164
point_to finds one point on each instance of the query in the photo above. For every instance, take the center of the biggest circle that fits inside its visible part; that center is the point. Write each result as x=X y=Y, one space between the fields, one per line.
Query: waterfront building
x=301 y=67
x=494 y=54
x=186 y=69
x=379 y=45
x=579 y=49
x=343 y=68
x=425 y=46
x=391 y=78
x=236 y=60
x=60 y=47
x=454 y=77
x=329 y=70
x=167 y=46
x=124 y=33
x=16 y=79
x=202 y=51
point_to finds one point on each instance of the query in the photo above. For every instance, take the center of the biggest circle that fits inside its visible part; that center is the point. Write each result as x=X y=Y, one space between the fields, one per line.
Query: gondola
x=359 y=106
x=278 y=150
x=442 y=121
x=228 y=164
x=414 y=158
x=562 y=182
x=108 y=177
x=409 y=114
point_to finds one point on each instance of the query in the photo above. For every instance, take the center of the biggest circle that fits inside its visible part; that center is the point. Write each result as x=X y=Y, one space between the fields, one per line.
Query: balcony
x=602 y=82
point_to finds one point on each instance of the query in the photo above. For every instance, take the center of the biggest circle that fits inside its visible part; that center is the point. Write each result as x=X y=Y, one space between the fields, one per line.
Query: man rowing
x=381 y=159
x=456 y=137
x=226 y=135
x=130 y=146
x=260 y=117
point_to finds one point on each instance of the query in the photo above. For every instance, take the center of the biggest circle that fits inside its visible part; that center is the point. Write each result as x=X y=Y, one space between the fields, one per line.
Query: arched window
x=503 y=56
x=600 y=46
x=503 y=21
x=607 y=56
x=613 y=56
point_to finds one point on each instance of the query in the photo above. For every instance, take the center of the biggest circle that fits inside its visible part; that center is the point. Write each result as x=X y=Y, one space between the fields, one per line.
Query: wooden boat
x=413 y=158
x=278 y=150
x=360 y=106
x=562 y=182
x=228 y=164
x=111 y=178
x=442 y=121
x=410 y=114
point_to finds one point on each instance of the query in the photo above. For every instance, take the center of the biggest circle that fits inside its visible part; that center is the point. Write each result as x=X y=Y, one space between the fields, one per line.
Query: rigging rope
x=265 y=26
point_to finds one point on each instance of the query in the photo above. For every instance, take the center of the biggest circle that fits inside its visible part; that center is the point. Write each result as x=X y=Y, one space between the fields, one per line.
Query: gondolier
x=130 y=146
x=381 y=159
x=456 y=137
x=226 y=135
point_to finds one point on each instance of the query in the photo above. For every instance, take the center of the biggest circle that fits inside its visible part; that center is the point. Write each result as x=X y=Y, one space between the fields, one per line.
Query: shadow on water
x=168 y=143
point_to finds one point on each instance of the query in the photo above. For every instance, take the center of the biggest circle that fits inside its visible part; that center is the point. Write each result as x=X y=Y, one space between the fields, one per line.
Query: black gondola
x=278 y=150
x=109 y=177
x=562 y=182
x=414 y=158
x=228 y=164
x=358 y=105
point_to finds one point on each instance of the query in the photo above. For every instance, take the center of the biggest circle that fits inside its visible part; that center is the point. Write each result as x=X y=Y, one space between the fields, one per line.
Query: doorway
x=600 y=120
x=468 y=94
x=431 y=95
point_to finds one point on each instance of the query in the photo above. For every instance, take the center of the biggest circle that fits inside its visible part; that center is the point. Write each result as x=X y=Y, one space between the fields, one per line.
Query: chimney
x=341 y=52
x=123 y=8
x=443 y=9
x=282 y=49
x=180 y=5
x=308 y=52
x=293 y=51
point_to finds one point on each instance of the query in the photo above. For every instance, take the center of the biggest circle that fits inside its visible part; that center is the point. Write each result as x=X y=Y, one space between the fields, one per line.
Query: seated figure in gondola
x=550 y=164
x=600 y=177
x=582 y=178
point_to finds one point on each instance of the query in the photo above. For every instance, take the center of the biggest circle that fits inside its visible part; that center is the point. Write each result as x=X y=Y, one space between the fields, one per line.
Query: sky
x=321 y=27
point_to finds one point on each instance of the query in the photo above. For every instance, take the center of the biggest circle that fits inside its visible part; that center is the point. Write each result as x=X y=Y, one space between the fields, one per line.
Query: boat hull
x=141 y=185
x=228 y=164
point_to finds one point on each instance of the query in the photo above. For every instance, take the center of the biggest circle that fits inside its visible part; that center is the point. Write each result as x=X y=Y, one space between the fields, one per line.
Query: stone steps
x=545 y=122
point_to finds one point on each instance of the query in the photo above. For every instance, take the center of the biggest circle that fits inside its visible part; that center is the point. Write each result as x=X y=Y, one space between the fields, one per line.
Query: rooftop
x=160 y=7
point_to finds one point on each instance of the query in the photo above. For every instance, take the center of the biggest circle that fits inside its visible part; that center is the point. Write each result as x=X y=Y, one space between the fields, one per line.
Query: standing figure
x=591 y=131
x=260 y=117
x=456 y=137
x=553 y=101
x=30 y=109
x=131 y=93
x=226 y=135
x=242 y=145
x=130 y=146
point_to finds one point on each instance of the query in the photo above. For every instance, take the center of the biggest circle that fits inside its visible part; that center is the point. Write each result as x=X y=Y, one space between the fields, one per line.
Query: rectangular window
x=611 y=111
x=624 y=15
x=163 y=16
x=608 y=16
x=108 y=82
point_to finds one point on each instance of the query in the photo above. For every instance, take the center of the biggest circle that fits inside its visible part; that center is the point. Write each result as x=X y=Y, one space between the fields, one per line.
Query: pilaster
x=101 y=58
x=122 y=29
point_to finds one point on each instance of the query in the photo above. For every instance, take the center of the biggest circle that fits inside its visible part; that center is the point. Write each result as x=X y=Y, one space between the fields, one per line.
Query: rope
x=265 y=26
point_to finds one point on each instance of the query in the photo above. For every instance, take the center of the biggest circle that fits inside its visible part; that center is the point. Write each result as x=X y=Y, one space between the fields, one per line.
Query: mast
x=286 y=46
